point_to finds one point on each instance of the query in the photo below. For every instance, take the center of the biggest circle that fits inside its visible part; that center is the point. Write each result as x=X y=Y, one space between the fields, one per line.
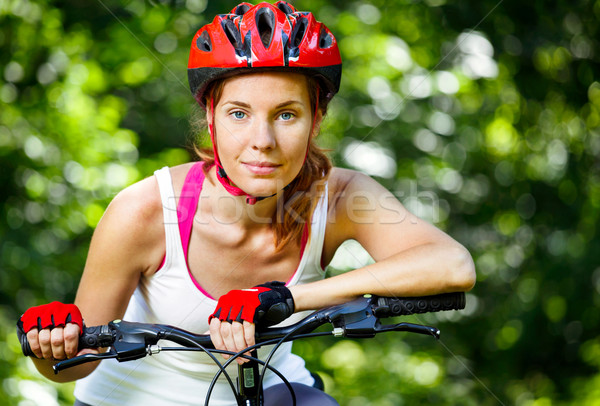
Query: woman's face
x=262 y=129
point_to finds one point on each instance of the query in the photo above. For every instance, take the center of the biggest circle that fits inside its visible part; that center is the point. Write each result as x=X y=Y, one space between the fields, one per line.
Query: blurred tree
x=482 y=117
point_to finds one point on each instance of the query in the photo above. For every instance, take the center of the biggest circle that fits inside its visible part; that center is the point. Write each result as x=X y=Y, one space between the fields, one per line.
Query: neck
x=229 y=209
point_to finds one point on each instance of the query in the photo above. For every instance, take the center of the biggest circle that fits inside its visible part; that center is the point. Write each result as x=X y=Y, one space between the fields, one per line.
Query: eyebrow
x=280 y=105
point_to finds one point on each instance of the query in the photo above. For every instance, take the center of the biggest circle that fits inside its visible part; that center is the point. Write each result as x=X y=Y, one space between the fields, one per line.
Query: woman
x=202 y=245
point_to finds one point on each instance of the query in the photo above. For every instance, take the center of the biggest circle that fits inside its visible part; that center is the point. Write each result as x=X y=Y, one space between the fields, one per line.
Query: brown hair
x=297 y=201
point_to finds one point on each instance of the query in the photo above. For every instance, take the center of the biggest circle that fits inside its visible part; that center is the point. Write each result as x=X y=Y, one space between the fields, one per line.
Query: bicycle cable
x=243 y=355
x=263 y=363
x=221 y=367
x=271 y=353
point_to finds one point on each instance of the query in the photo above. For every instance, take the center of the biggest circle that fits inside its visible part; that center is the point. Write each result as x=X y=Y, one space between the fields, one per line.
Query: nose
x=263 y=137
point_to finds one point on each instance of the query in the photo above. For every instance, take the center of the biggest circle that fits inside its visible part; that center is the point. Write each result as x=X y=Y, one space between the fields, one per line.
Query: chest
x=221 y=258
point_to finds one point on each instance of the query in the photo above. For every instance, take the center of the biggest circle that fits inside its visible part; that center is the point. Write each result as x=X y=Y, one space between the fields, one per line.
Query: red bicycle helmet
x=264 y=36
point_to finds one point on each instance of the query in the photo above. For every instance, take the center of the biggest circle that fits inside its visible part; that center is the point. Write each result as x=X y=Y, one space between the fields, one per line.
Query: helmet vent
x=204 y=43
x=325 y=39
x=298 y=32
x=265 y=21
x=241 y=9
x=286 y=8
x=233 y=35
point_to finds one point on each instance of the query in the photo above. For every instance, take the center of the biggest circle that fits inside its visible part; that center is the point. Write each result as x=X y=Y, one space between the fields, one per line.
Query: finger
x=71 y=337
x=239 y=339
x=249 y=332
x=89 y=351
x=227 y=336
x=216 y=337
x=34 y=343
x=57 y=342
x=238 y=336
x=45 y=345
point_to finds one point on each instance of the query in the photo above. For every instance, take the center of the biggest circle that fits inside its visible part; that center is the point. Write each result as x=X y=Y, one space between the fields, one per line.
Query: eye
x=286 y=116
x=238 y=115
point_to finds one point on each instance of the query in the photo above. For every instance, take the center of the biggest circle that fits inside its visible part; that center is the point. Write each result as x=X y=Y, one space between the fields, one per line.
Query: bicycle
x=359 y=318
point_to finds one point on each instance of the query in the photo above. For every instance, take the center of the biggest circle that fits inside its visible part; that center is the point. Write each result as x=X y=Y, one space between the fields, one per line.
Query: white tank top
x=170 y=296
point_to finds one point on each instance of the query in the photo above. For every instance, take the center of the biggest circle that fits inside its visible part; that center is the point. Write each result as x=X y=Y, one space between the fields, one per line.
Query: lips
x=261 y=164
x=261 y=167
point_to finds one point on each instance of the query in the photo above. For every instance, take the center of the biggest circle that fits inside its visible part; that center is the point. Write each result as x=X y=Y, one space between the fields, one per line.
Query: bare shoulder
x=141 y=202
x=338 y=182
x=178 y=174
x=128 y=241
x=347 y=184
x=345 y=187
x=340 y=177
x=138 y=202
x=132 y=228
x=131 y=223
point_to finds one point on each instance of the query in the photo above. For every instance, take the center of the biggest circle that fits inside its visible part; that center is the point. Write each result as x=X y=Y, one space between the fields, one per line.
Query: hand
x=265 y=305
x=52 y=330
x=232 y=336
x=232 y=325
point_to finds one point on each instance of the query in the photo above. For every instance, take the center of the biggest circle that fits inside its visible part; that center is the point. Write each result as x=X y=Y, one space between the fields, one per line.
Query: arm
x=412 y=256
x=128 y=241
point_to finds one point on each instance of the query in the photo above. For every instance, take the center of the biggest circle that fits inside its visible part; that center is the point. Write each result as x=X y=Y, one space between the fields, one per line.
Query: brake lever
x=410 y=327
x=360 y=320
x=82 y=359
x=128 y=341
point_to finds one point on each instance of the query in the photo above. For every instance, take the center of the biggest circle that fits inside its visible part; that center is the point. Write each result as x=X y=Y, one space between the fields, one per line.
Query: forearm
x=423 y=270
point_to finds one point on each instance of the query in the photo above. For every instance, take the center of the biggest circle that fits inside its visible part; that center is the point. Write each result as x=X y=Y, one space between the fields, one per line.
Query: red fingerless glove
x=50 y=315
x=265 y=305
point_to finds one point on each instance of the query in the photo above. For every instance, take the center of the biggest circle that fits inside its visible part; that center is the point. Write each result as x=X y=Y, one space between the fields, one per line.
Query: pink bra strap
x=186 y=209
x=188 y=203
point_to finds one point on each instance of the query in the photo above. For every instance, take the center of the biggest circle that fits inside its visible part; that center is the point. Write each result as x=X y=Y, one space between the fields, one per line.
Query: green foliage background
x=485 y=115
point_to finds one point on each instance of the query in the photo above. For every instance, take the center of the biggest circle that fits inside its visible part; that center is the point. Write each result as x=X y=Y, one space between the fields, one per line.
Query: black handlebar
x=389 y=306
x=356 y=319
x=92 y=337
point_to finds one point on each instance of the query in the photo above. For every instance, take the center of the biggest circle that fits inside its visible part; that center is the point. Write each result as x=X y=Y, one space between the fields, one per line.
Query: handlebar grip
x=92 y=337
x=389 y=307
x=24 y=343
